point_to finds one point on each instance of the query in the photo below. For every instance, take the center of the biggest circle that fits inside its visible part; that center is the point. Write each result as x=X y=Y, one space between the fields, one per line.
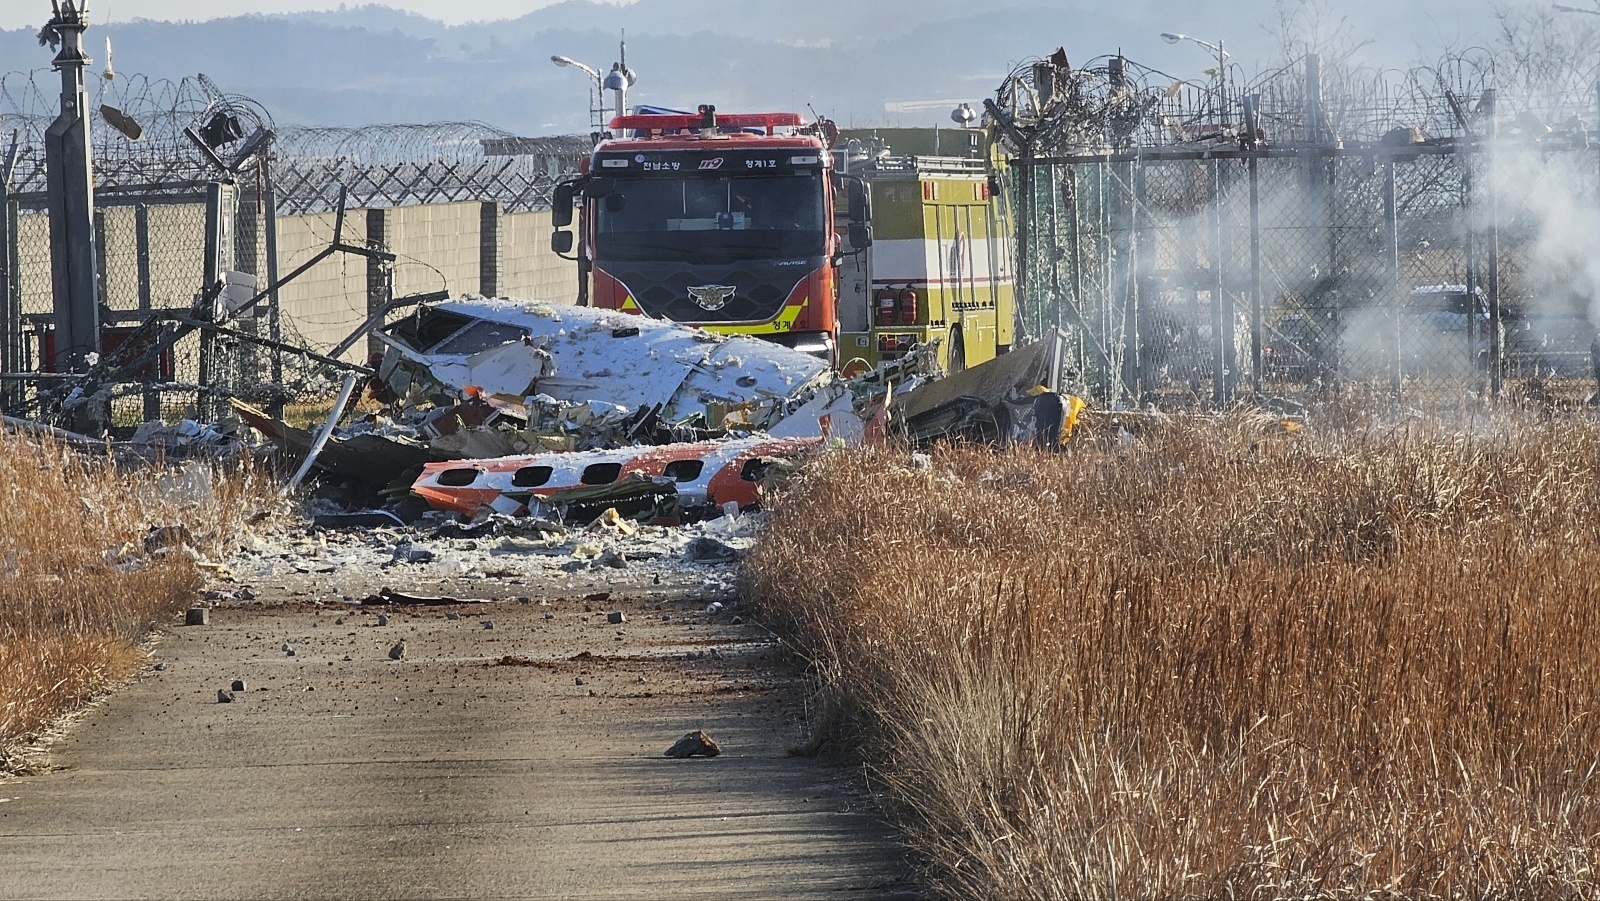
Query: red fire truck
x=724 y=222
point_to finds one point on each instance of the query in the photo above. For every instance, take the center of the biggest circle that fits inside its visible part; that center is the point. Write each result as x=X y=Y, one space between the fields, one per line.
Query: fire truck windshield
x=714 y=218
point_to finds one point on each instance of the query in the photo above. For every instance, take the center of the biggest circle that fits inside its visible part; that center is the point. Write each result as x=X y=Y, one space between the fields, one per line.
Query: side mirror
x=616 y=202
x=561 y=205
x=860 y=236
x=561 y=242
x=860 y=201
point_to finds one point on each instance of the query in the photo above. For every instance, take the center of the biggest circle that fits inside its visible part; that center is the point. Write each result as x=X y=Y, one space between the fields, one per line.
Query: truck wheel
x=956 y=356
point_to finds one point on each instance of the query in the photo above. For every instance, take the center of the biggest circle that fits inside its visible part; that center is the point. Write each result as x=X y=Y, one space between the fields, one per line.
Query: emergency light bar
x=692 y=121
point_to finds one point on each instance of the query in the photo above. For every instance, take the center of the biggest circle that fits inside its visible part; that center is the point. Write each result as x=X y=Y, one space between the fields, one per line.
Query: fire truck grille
x=663 y=291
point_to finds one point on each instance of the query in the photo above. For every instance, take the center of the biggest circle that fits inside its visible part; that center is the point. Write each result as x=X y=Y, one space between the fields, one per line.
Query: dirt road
x=521 y=759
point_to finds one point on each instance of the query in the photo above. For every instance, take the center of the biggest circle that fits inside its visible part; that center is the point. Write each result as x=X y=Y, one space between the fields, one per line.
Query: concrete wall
x=527 y=267
x=437 y=245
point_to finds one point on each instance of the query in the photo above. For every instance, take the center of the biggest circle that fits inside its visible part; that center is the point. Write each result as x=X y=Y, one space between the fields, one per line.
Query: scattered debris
x=160 y=538
x=990 y=403
x=367 y=457
x=694 y=744
x=197 y=616
x=518 y=660
x=398 y=650
x=360 y=519
x=183 y=434
x=406 y=552
x=709 y=550
x=224 y=696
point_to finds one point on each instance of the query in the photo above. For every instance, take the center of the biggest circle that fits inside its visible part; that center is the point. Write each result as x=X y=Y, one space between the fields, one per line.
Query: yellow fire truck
x=941 y=262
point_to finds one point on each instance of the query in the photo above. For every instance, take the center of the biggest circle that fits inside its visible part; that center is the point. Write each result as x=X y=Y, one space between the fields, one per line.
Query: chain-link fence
x=189 y=185
x=1300 y=244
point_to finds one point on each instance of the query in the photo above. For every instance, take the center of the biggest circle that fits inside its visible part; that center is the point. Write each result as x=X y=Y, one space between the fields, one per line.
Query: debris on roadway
x=560 y=414
x=695 y=744
x=513 y=434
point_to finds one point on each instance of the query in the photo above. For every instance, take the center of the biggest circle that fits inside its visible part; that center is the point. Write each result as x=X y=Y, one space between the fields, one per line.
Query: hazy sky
x=1396 y=26
x=33 y=13
x=17 y=13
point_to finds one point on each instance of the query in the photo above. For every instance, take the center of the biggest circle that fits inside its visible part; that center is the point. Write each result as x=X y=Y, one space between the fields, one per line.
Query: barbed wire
x=139 y=143
x=1115 y=103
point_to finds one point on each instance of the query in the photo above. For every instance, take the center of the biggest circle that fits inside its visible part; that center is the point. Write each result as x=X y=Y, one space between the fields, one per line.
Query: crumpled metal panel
x=582 y=354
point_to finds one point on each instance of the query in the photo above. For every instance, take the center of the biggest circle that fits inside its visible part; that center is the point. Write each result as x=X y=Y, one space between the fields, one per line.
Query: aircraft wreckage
x=533 y=408
x=511 y=352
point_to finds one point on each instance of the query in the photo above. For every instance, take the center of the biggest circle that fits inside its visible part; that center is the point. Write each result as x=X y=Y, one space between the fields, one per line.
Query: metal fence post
x=1057 y=311
x=1074 y=237
x=1107 y=252
x=219 y=256
x=1027 y=209
x=1469 y=187
x=100 y=278
x=141 y=252
x=489 y=248
x=269 y=203
x=1496 y=348
x=1133 y=375
x=1329 y=191
x=1392 y=251
x=1252 y=107
x=379 y=285
x=10 y=302
x=1220 y=395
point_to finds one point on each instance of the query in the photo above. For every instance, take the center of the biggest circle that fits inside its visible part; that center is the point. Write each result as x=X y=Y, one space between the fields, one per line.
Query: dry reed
x=79 y=585
x=1217 y=660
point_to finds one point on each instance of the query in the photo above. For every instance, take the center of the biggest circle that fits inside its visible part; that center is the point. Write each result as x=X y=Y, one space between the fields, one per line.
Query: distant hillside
x=845 y=57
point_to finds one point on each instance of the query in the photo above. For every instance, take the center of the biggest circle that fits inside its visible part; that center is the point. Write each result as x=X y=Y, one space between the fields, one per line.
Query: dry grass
x=78 y=586
x=1218 y=660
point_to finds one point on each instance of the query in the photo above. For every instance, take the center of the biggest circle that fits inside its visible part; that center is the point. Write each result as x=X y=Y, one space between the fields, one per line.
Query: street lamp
x=597 y=99
x=1222 y=65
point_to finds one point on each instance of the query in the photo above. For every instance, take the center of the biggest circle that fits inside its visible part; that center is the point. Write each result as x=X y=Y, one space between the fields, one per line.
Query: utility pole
x=620 y=78
x=71 y=197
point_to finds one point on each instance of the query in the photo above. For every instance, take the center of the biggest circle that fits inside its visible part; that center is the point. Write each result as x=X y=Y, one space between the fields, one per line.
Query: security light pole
x=597 y=100
x=620 y=78
x=71 y=199
x=1222 y=66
